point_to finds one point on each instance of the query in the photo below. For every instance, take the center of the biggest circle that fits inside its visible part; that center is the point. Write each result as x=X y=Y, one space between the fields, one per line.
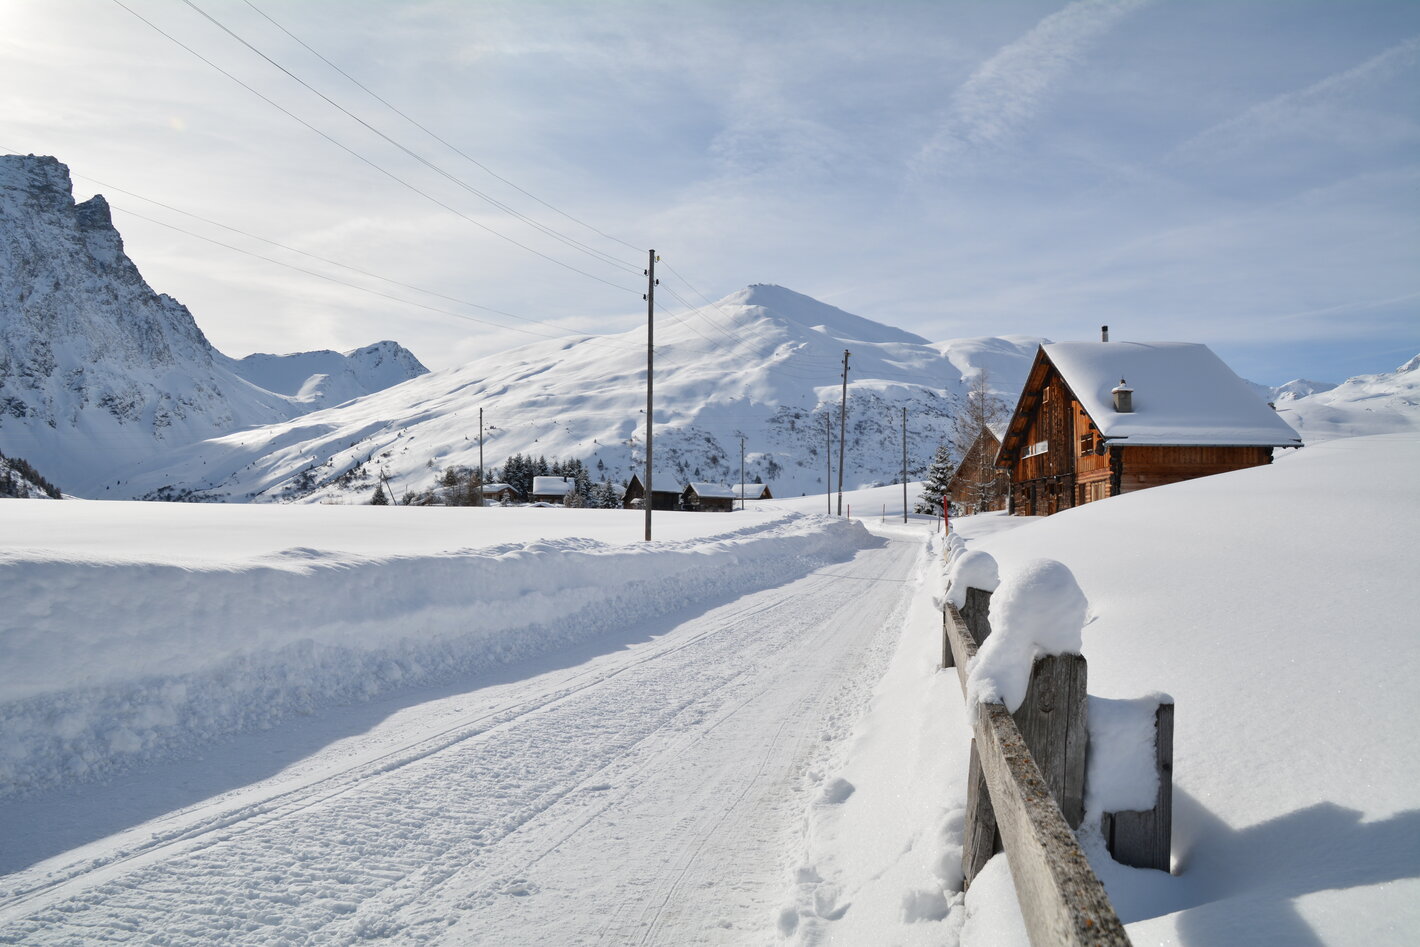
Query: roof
x=661 y=485
x=752 y=491
x=714 y=490
x=497 y=487
x=553 y=486
x=1183 y=395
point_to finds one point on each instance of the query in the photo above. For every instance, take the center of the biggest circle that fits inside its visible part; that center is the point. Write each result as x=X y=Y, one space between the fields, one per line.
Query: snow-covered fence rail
x=1010 y=798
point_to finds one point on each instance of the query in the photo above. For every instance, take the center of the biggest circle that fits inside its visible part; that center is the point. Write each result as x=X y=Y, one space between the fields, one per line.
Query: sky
x=1242 y=174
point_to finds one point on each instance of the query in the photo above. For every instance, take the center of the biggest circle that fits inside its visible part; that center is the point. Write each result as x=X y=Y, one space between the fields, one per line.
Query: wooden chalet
x=665 y=496
x=552 y=489
x=708 y=498
x=499 y=493
x=753 y=491
x=979 y=486
x=1098 y=419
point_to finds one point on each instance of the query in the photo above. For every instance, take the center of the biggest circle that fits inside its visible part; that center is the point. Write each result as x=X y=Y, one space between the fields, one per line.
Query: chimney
x=1123 y=397
x=1104 y=333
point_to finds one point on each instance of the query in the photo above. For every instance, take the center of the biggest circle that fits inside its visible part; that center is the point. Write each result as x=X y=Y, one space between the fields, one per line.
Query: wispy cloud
x=1007 y=91
x=1314 y=108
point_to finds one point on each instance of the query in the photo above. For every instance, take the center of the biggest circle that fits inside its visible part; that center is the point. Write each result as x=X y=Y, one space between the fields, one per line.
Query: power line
x=440 y=140
x=569 y=241
x=375 y=292
x=355 y=154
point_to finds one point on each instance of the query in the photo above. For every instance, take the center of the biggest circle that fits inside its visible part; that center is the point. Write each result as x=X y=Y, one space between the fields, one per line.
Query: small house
x=978 y=485
x=499 y=493
x=1098 y=419
x=753 y=491
x=552 y=489
x=708 y=498
x=665 y=495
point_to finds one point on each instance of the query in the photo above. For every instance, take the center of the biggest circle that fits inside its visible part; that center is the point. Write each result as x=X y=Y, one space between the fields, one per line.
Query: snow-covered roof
x=662 y=485
x=752 y=491
x=1183 y=394
x=714 y=490
x=553 y=486
x=497 y=487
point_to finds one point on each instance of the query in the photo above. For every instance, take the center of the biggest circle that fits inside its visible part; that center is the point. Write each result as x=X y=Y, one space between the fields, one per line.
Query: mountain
x=1384 y=403
x=98 y=371
x=18 y=480
x=324 y=379
x=1292 y=390
x=764 y=363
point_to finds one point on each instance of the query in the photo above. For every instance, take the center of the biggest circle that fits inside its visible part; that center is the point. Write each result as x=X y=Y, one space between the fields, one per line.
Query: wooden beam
x=1061 y=899
x=1052 y=722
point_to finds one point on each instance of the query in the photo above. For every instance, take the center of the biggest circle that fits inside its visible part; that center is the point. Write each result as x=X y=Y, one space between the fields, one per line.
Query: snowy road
x=649 y=791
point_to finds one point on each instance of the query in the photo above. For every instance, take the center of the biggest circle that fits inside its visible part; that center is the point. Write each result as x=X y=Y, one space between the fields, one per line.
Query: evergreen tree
x=379 y=499
x=938 y=477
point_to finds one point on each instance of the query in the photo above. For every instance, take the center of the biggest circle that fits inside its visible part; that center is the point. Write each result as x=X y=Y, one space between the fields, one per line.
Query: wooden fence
x=1026 y=790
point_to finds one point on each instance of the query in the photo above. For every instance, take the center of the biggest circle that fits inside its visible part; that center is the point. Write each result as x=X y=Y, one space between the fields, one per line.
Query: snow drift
x=109 y=661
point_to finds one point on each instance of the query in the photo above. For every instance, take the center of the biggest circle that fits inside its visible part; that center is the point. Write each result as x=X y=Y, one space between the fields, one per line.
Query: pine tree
x=379 y=499
x=938 y=477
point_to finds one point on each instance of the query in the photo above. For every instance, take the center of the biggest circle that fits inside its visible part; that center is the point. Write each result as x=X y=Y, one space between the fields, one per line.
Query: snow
x=972 y=569
x=715 y=490
x=553 y=486
x=1276 y=605
x=1183 y=394
x=1037 y=610
x=1384 y=403
x=1123 y=774
x=119 y=651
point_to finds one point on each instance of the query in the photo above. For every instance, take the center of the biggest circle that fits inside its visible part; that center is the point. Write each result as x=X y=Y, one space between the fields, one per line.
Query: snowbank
x=1278 y=605
x=107 y=661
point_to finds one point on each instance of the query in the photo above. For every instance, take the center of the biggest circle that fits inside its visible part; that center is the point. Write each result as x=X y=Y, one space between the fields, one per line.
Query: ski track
x=646 y=796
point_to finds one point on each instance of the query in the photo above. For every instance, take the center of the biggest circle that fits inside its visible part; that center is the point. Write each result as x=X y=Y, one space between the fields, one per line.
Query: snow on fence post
x=1143 y=839
x=1025 y=789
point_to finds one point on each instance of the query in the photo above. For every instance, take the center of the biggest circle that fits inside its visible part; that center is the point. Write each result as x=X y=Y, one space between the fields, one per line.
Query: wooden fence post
x=1053 y=724
x=976 y=612
x=1143 y=839
x=981 y=839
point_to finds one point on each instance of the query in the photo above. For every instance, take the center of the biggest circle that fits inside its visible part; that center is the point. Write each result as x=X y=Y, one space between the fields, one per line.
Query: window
x=1087 y=443
x=1039 y=447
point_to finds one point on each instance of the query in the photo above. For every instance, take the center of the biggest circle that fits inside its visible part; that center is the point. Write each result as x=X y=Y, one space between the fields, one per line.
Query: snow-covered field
x=323 y=724
x=1279 y=607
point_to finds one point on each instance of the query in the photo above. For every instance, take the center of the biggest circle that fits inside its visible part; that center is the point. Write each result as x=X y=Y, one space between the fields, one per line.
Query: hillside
x=1383 y=403
x=98 y=371
x=765 y=364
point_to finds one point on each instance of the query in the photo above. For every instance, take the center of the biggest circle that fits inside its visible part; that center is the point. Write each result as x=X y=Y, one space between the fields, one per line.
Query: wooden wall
x=1145 y=467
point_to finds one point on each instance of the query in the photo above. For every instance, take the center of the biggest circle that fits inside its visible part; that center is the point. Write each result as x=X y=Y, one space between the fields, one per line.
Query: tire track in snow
x=386 y=847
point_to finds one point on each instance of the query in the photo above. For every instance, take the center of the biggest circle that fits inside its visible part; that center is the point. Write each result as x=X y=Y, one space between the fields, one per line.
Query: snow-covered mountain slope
x=97 y=370
x=1291 y=391
x=764 y=363
x=1384 y=403
x=324 y=379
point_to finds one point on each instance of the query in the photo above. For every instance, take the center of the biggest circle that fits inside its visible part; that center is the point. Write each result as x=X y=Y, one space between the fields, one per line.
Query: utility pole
x=842 y=431
x=650 y=370
x=904 y=463
x=742 y=471
x=828 y=458
x=480 y=456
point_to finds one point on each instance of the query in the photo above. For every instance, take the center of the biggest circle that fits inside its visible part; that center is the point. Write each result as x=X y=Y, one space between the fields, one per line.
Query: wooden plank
x=1061 y=899
x=1143 y=839
x=1052 y=722
x=962 y=643
x=976 y=612
x=980 y=840
x=947 y=659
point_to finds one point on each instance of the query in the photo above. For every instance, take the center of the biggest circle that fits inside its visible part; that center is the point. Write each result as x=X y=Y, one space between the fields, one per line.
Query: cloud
x=1318 y=109
x=1007 y=91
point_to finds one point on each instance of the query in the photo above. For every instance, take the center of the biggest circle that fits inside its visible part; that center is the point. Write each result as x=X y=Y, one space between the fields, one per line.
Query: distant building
x=978 y=485
x=708 y=498
x=753 y=491
x=552 y=489
x=665 y=496
x=1098 y=419
x=499 y=493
